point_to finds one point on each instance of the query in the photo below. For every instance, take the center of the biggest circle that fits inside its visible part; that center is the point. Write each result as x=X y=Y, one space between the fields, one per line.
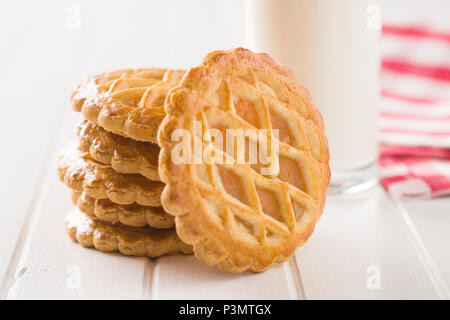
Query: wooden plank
x=54 y=267
x=360 y=251
x=29 y=118
x=188 y=278
x=428 y=221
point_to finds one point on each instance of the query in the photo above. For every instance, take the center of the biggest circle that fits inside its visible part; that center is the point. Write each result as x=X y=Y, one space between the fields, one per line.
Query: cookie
x=131 y=241
x=100 y=84
x=133 y=215
x=123 y=154
x=82 y=173
x=234 y=215
x=127 y=102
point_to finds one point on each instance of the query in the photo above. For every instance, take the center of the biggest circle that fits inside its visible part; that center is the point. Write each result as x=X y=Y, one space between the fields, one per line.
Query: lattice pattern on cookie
x=245 y=220
x=81 y=173
x=133 y=241
x=133 y=215
x=126 y=102
x=123 y=154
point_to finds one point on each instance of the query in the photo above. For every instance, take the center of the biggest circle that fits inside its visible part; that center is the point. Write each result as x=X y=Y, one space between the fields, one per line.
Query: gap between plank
x=155 y=280
x=419 y=246
x=294 y=279
x=150 y=279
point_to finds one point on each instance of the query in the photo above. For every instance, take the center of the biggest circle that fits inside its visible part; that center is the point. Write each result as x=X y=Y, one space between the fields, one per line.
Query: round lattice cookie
x=234 y=215
x=125 y=155
x=126 y=102
x=133 y=215
x=82 y=173
x=132 y=241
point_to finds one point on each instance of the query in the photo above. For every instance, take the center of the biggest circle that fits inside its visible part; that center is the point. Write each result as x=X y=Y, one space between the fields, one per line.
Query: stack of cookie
x=235 y=212
x=112 y=170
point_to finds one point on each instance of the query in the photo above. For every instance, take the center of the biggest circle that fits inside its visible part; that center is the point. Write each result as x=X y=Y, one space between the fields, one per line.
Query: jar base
x=353 y=181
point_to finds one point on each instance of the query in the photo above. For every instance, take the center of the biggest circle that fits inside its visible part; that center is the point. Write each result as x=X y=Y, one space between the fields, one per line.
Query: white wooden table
x=365 y=246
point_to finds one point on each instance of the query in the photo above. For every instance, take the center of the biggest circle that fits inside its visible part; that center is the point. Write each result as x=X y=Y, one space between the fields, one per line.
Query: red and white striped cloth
x=415 y=110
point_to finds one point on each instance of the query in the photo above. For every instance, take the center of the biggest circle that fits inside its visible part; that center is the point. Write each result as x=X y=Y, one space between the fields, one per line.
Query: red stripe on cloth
x=418 y=168
x=386 y=182
x=416 y=100
x=415 y=32
x=437 y=73
x=416 y=164
x=394 y=150
x=396 y=130
x=407 y=116
x=407 y=161
x=437 y=182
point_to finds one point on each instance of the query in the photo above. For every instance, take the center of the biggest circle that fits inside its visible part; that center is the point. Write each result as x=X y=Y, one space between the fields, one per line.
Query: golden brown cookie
x=232 y=214
x=81 y=173
x=133 y=215
x=126 y=102
x=123 y=154
x=131 y=241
